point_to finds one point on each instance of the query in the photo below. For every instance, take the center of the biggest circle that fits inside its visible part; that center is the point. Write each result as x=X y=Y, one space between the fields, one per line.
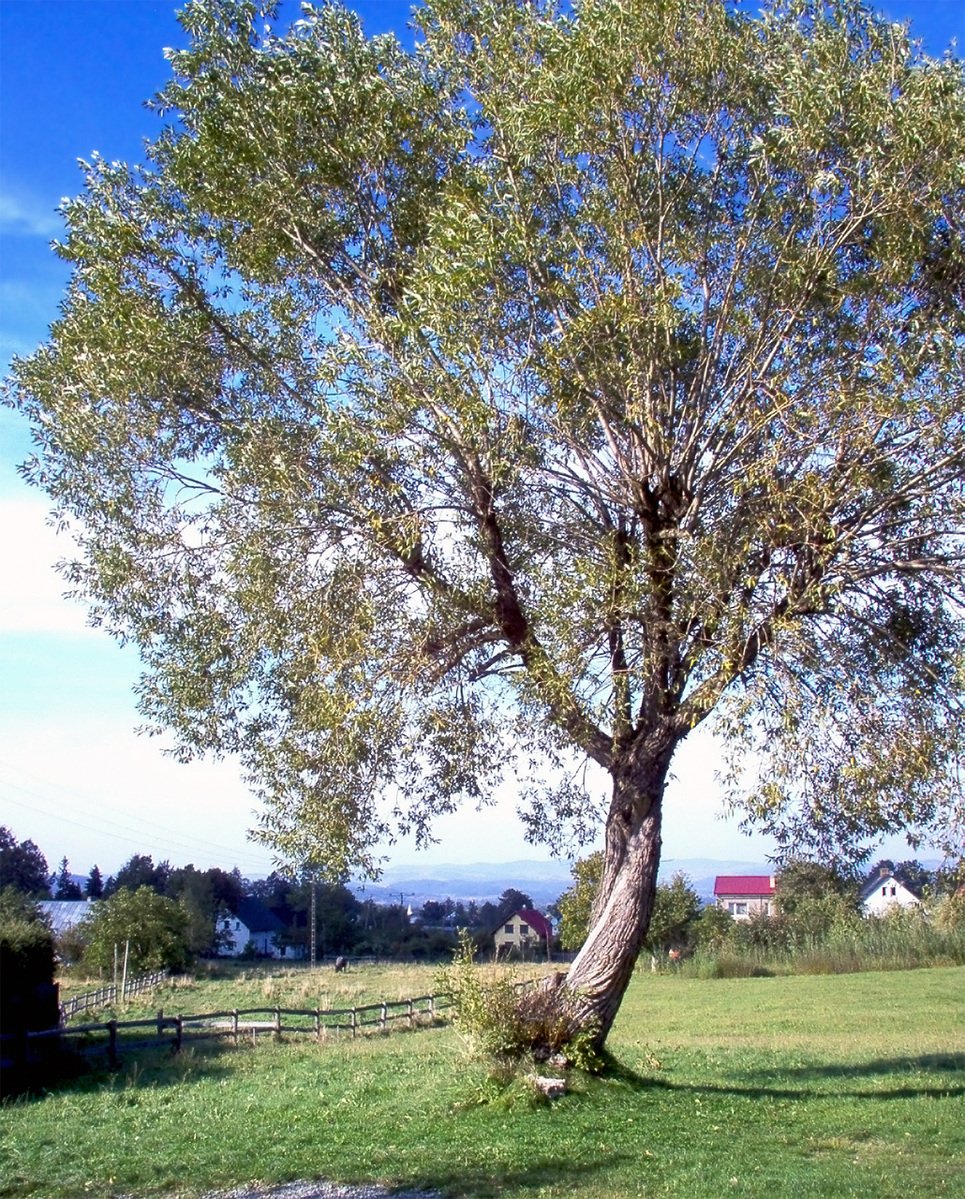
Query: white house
x=886 y=892
x=251 y=924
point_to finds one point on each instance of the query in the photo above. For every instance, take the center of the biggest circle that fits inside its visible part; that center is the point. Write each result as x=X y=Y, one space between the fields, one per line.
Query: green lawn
x=817 y=1086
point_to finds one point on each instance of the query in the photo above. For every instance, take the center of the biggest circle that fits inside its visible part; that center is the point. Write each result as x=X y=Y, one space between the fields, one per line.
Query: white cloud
x=32 y=595
x=30 y=218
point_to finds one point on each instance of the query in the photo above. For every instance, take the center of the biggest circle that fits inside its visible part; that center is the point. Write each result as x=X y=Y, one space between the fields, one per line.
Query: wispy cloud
x=32 y=596
x=28 y=218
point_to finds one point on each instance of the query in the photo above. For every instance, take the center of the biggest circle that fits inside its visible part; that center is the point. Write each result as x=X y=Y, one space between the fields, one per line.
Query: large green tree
x=534 y=395
x=150 y=930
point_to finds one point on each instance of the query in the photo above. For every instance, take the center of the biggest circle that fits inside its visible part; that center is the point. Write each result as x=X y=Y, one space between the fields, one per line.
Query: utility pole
x=311 y=926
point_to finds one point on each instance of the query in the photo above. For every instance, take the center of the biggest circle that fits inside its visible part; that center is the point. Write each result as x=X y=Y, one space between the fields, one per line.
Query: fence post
x=160 y=1022
x=234 y=1026
x=277 y=1023
x=354 y=1023
x=112 y=1044
x=383 y=1018
x=178 y=1032
x=318 y=1025
x=411 y=1015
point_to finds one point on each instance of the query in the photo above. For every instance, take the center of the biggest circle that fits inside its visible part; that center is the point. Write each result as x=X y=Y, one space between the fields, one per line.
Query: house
x=885 y=892
x=251 y=927
x=525 y=931
x=745 y=895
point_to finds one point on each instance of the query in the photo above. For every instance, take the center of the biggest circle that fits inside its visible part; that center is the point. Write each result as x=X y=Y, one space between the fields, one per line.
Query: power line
x=135 y=834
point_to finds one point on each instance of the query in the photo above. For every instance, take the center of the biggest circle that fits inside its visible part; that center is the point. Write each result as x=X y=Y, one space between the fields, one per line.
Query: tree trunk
x=602 y=970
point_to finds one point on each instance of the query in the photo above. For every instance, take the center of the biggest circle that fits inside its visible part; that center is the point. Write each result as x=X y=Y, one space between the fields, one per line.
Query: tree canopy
x=431 y=417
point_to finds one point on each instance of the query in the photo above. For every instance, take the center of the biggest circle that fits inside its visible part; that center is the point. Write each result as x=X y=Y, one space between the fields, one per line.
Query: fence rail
x=240 y=1024
x=110 y=994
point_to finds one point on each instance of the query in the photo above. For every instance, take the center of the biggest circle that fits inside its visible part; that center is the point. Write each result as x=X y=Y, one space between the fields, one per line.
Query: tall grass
x=902 y=940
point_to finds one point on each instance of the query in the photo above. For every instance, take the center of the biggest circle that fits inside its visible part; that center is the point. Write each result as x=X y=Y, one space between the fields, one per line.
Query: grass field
x=809 y=1086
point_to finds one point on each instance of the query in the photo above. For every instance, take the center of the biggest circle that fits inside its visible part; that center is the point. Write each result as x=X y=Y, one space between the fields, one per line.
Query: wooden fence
x=110 y=994
x=242 y=1025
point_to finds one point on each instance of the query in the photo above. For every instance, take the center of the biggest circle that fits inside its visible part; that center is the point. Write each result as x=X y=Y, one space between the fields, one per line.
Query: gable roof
x=885 y=878
x=256 y=917
x=536 y=921
x=744 y=884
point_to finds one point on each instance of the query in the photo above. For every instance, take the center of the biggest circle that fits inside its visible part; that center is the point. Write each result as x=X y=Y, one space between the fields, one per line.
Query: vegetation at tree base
x=512 y=1029
x=587 y=372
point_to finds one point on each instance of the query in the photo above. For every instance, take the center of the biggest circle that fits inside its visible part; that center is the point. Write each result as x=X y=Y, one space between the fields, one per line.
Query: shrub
x=508 y=1026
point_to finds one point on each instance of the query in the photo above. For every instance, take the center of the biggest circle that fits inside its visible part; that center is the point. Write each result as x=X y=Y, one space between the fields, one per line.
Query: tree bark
x=601 y=971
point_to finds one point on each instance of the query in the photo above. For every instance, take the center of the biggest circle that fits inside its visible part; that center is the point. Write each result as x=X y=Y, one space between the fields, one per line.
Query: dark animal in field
x=340 y=964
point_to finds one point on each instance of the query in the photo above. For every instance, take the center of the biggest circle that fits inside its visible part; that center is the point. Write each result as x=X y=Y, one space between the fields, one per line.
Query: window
x=508 y=929
x=523 y=930
x=737 y=907
x=894 y=890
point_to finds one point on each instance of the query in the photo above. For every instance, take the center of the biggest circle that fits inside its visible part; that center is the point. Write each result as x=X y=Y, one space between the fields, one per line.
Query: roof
x=536 y=920
x=885 y=878
x=744 y=884
x=256 y=917
x=63 y=914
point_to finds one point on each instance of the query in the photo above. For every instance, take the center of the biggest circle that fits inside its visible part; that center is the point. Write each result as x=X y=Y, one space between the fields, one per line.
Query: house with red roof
x=527 y=931
x=745 y=895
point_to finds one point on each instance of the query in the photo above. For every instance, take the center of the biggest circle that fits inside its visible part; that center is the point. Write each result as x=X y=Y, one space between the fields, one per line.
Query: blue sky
x=74 y=777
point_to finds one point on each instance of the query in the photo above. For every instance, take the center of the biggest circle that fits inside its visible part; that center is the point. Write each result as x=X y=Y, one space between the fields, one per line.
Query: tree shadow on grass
x=759 y=1086
x=88 y=1069
x=482 y=1184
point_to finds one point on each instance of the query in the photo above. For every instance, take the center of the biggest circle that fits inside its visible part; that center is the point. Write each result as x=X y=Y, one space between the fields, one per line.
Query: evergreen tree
x=66 y=888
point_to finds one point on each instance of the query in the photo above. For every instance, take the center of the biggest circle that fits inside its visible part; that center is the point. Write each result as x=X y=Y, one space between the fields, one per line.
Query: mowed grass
x=800 y=1086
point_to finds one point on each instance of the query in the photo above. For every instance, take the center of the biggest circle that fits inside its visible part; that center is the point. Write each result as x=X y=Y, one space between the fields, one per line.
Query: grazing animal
x=340 y=964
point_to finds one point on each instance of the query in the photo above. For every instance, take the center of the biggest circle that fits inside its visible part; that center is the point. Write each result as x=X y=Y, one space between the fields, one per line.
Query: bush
x=507 y=1026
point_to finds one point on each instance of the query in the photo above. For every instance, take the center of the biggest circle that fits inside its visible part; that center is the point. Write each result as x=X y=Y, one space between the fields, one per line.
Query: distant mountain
x=543 y=881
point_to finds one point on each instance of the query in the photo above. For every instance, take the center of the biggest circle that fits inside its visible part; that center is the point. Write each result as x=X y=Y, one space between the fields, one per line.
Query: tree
x=22 y=866
x=139 y=871
x=94 y=887
x=576 y=904
x=589 y=373
x=66 y=887
x=153 y=928
x=811 y=898
x=676 y=908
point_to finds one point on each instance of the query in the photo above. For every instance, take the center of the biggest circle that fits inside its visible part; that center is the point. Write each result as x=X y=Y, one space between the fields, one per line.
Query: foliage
x=94 y=887
x=26 y=942
x=507 y=1025
x=22 y=866
x=154 y=928
x=139 y=871
x=586 y=373
x=66 y=887
x=576 y=903
x=676 y=909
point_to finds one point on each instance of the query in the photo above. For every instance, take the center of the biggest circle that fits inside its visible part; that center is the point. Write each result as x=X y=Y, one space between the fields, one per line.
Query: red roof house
x=744 y=895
